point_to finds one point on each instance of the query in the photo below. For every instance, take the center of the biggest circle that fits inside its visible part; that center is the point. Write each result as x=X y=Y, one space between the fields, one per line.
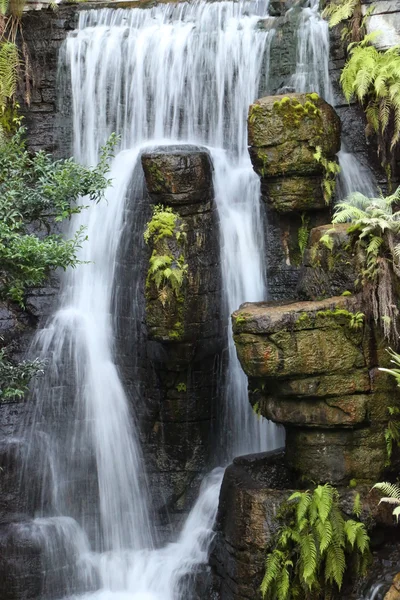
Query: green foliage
x=303 y=234
x=392 y=492
x=167 y=271
x=392 y=431
x=374 y=227
x=313 y=547
x=331 y=169
x=14 y=378
x=357 y=320
x=336 y=12
x=327 y=241
x=181 y=387
x=373 y=77
x=348 y=13
x=357 y=507
x=36 y=191
x=9 y=67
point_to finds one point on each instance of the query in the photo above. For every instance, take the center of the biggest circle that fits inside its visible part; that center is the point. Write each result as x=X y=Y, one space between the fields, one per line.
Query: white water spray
x=312 y=75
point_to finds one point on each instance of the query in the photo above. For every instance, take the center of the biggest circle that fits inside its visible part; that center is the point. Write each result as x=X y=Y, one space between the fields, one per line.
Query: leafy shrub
x=35 y=192
x=314 y=547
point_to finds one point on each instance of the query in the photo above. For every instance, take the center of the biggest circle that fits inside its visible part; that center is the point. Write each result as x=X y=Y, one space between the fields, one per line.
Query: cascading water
x=312 y=75
x=171 y=73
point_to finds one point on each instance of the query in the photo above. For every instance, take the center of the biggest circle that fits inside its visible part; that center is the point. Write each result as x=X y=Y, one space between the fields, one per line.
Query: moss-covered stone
x=284 y=132
x=329 y=413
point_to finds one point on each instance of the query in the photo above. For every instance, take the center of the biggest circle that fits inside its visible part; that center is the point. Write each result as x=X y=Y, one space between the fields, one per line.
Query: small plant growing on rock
x=314 y=547
x=167 y=268
x=392 y=431
x=331 y=169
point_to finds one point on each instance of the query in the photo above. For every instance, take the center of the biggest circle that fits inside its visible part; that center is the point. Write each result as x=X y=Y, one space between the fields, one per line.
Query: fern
x=392 y=492
x=373 y=78
x=336 y=12
x=167 y=271
x=313 y=547
x=374 y=225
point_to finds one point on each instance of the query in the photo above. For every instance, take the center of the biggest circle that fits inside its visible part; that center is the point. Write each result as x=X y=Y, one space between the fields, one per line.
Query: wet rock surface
x=328 y=271
x=253 y=492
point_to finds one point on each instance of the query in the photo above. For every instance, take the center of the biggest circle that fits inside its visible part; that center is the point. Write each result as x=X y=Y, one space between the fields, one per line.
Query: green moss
x=263 y=158
x=293 y=112
x=355 y=320
x=255 y=109
x=156 y=176
x=239 y=320
x=313 y=97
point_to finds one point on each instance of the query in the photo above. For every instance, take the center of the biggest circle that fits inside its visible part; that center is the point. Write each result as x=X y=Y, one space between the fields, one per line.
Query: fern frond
x=9 y=69
x=325 y=535
x=335 y=564
x=324 y=493
x=389 y=489
x=308 y=558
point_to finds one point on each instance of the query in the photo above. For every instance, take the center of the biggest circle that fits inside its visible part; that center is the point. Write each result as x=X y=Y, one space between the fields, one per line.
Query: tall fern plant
x=13 y=62
x=375 y=230
x=373 y=77
x=314 y=548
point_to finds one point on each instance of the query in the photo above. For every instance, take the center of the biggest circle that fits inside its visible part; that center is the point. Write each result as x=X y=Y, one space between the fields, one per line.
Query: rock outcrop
x=184 y=333
x=312 y=367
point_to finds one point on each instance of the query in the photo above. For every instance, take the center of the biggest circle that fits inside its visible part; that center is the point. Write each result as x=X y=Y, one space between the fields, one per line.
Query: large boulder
x=285 y=131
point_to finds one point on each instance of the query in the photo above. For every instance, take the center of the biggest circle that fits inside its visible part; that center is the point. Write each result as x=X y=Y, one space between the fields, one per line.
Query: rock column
x=293 y=141
x=183 y=326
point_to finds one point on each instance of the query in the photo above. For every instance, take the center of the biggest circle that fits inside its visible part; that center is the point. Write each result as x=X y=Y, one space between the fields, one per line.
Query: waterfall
x=174 y=73
x=312 y=75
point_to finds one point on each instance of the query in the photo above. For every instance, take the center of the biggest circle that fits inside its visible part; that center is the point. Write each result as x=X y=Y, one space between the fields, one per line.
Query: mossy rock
x=179 y=174
x=284 y=132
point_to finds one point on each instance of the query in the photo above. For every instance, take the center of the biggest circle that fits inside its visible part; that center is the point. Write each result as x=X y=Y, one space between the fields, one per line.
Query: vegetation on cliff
x=37 y=192
x=374 y=226
x=371 y=76
x=314 y=547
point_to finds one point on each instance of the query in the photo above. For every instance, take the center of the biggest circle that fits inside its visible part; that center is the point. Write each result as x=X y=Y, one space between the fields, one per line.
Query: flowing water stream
x=175 y=73
x=312 y=75
x=181 y=73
